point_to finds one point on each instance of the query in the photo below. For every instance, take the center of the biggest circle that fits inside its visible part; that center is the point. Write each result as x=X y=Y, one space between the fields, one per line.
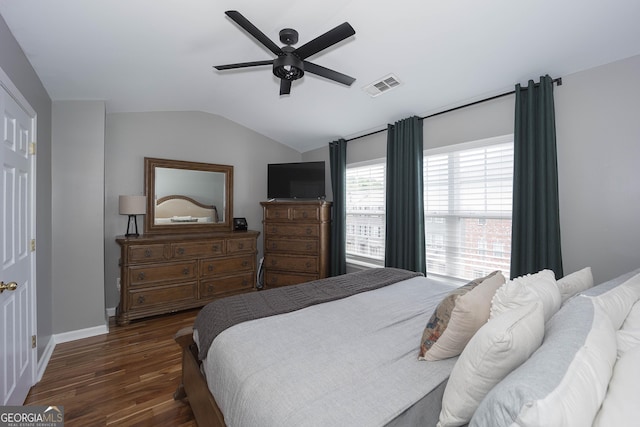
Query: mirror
x=186 y=197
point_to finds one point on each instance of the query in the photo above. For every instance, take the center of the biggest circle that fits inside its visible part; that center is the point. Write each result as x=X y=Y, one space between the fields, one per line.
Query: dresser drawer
x=311 y=230
x=305 y=213
x=241 y=245
x=197 y=249
x=211 y=267
x=299 y=264
x=276 y=213
x=274 y=279
x=227 y=285
x=144 y=274
x=167 y=294
x=296 y=246
x=146 y=253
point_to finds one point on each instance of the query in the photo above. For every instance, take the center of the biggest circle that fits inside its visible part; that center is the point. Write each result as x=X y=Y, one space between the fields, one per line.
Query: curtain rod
x=557 y=81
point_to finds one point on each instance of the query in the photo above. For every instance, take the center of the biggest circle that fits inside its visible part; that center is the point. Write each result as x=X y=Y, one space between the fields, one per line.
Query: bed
x=344 y=351
x=178 y=209
x=354 y=355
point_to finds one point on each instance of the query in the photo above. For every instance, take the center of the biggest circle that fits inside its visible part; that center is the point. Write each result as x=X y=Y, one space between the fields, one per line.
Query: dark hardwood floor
x=124 y=378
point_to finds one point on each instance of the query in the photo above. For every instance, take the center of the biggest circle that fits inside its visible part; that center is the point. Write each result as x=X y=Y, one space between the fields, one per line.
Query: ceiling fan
x=290 y=64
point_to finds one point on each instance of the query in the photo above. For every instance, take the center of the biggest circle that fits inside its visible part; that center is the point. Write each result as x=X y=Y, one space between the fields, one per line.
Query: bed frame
x=194 y=385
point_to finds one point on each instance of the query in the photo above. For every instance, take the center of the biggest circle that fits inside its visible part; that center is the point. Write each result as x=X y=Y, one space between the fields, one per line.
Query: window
x=468 y=198
x=365 y=212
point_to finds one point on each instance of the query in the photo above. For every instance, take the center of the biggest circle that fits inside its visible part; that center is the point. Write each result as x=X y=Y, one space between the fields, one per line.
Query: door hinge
x=33 y=341
x=32 y=148
x=33 y=245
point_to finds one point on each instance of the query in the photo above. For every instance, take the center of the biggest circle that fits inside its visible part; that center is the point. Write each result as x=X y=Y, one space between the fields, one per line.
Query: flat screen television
x=304 y=180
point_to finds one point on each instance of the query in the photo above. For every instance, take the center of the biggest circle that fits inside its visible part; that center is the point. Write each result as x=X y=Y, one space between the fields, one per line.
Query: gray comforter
x=349 y=362
x=224 y=313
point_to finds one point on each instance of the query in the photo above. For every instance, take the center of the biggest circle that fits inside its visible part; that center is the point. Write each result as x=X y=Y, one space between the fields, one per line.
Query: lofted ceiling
x=158 y=55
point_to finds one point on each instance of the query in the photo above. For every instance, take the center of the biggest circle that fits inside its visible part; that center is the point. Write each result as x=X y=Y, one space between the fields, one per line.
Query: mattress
x=347 y=362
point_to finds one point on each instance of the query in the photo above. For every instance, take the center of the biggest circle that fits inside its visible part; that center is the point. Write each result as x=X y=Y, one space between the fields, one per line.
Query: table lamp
x=132 y=206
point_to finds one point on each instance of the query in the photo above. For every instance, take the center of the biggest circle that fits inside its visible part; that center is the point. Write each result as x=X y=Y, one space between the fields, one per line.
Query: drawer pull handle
x=147 y=253
x=245 y=263
x=210 y=288
x=308 y=264
x=274 y=246
x=274 y=262
x=181 y=251
x=308 y=230
x=185 y=271
x=141 y=299
x=274 y=229
x=216 y=248
x=245 y=282
x=210 y=267
x=141 y=275
x=305 y=214
x=240 y=245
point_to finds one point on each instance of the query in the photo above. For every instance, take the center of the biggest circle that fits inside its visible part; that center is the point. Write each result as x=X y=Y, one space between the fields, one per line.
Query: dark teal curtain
x=404 y=240
x=338 y=161
x=535 y=235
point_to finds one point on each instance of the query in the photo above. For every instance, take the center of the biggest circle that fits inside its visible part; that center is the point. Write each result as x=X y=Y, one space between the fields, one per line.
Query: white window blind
x=468 y=201
x=365 y=206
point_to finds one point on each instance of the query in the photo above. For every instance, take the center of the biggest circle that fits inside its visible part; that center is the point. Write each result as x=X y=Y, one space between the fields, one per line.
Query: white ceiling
x=157 y=55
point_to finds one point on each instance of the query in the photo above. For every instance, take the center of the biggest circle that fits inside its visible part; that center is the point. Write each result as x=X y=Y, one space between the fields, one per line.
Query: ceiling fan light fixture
x=290 y=62
x=288 y=67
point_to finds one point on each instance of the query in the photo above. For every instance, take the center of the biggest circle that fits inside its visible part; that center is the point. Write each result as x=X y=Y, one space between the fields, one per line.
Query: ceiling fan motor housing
x=288 y=66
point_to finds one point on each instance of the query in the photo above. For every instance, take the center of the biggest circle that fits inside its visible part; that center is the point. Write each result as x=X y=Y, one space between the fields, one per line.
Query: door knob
x=11 y=286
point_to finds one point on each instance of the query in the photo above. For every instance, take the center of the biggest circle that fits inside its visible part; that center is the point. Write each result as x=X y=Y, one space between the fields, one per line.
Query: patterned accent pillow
x=442 y=314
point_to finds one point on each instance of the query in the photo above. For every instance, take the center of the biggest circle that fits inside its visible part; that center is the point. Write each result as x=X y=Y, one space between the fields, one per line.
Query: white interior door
x=17 y=325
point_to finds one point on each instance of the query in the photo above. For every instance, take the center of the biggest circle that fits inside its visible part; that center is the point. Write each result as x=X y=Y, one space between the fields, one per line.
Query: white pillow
x=620 y=406
x=628 y=336
x=617 y=302
x=576 y=399
x=524 y=290
x=469 y=314
x=575 y=282
x=499 y=347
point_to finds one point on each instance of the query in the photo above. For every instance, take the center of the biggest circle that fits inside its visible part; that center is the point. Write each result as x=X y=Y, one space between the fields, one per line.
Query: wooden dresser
x=166 y=273
x=296 y=241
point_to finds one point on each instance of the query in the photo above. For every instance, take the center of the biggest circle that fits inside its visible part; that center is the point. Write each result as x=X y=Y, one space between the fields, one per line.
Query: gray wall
x=78 y=215
x=598 y=138
x=598 y=132
x=191 y=136
x=15 y=64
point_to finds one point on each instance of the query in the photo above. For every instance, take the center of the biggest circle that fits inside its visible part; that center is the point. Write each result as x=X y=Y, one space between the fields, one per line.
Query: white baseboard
x=80 y=334
x=111 y=312
x=65 y=337
x=44 y=360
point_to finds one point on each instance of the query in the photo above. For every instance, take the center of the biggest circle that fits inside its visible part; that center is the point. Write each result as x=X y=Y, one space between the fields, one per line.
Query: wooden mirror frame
x=150 y=226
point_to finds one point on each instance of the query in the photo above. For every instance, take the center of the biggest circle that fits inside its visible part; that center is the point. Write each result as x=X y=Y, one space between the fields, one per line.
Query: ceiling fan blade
x=243 y=65
x=328 y=73
x=285 y=87
x=329 y=38
x=254 y=31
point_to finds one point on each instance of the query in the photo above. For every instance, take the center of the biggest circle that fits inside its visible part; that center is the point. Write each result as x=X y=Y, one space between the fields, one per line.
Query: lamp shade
x=132 y=205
